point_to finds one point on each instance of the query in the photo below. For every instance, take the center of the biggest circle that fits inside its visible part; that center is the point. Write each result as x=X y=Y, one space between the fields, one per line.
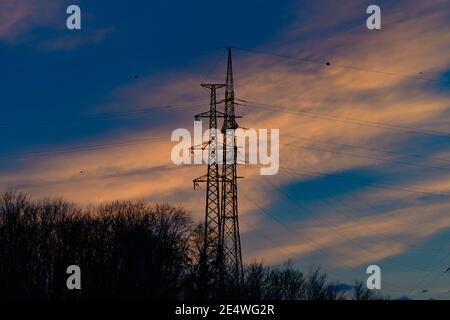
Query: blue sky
x=148 y=38
x=370 y=195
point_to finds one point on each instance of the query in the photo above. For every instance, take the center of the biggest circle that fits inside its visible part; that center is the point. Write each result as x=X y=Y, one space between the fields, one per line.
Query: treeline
x=126 y=250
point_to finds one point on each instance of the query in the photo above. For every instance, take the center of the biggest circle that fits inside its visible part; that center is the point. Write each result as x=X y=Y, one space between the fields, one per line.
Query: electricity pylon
x=209 y=271
x=230 y=254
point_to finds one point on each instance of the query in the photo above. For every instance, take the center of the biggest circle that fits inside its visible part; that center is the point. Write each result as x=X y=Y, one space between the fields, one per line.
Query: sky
x=364 y=176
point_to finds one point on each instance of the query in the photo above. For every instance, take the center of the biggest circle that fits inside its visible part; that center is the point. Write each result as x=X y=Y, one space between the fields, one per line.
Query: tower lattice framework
x=230 y=254
x=209 y=268
x=221 y=271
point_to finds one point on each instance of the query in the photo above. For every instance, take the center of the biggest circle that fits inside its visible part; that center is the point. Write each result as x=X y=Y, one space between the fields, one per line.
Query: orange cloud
x=360 y=240
x=18 y=17
x=404 y=46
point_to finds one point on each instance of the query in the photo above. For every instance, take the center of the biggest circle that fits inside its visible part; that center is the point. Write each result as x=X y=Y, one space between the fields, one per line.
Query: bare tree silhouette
x=127 y=250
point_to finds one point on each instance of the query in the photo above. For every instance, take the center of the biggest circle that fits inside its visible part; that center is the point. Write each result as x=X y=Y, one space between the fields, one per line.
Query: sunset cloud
x=310 y=103
x=20 y=16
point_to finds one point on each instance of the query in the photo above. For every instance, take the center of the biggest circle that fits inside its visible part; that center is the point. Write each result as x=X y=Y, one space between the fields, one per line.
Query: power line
x=359 y=122
x=427 y=268
x=140 y=171
x=367 y=157
x=337 y=65
x=336 y=230
x=86 y=148
x=302 y=238
x=146 y=141
x=288 y=251
x=99 y=115
x=421 y=282
x=81 y=148
x=336 y=209
x=374 y=184
x=402 y=154
x=214 y=65
x=287 y=227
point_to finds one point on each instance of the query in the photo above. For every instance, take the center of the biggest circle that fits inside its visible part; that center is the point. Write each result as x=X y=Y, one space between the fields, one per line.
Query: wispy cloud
x=352 y=241
x=20 y=16
x=22 y=21
x=405 y=46
x=76 y=39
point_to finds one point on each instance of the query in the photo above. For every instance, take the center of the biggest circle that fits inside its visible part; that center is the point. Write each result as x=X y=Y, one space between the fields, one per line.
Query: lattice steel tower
x=209 y=269
x=229 y=255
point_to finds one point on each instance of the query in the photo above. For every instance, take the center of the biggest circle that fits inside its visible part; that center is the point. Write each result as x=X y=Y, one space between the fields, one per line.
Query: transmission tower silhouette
x=220 y=271
x=229 y=251
x=209 y=271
